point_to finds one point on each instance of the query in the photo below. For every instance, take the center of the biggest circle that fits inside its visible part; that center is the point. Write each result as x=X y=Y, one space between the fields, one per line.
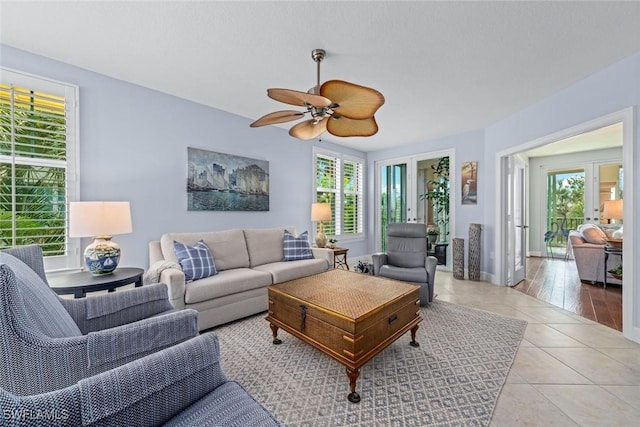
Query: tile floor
x=569 y=370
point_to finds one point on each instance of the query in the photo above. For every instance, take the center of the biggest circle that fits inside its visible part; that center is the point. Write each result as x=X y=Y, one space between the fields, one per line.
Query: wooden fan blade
x=308 y=130
x=295 y=97
x=354 y=101
x=277 y=117
x=345 y=127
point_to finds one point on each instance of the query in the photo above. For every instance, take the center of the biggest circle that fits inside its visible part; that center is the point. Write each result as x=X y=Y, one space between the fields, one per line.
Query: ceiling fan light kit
x=341 y=108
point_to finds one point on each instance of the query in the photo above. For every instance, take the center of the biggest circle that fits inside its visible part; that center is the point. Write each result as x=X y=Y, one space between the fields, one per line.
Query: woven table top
x=346 y=293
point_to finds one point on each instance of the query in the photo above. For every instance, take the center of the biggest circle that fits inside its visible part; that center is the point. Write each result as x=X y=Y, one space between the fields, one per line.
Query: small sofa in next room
x=247 y=261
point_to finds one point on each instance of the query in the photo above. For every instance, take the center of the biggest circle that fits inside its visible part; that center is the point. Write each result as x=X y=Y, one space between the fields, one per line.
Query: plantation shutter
x=37 y=142
x=340 y=181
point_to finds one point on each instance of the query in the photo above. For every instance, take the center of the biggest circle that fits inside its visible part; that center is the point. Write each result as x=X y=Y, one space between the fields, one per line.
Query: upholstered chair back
x=406 y=244
x=28 y=303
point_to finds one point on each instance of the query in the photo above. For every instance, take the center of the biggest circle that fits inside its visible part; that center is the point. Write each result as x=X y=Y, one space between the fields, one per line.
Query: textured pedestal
x=458 y=258
x=475 y=231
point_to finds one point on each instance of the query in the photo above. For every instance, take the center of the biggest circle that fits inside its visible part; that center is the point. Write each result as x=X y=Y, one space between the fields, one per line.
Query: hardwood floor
x=556 y=281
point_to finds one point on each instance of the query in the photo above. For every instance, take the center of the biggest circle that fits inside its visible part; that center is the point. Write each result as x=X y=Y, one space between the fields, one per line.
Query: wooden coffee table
x=350 y=317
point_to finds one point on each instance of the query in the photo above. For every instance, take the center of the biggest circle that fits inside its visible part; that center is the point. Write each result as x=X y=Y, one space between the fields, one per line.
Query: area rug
x=453 y=378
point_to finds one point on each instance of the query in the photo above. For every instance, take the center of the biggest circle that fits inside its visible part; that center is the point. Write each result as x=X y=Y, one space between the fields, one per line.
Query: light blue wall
x=610 y=90
x=133 y=147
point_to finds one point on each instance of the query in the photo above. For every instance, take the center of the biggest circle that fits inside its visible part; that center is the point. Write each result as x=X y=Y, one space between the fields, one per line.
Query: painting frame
x=226 y=182
x=469 y=183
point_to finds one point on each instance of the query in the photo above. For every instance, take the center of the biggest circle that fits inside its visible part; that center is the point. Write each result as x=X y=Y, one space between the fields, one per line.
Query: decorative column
x=458 y=258
x=475 y=231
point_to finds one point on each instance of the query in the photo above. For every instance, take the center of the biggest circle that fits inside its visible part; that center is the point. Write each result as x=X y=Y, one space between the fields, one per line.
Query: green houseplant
x=438 y=191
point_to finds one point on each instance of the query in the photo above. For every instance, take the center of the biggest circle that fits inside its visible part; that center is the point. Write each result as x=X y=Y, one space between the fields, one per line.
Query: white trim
x=630 y=289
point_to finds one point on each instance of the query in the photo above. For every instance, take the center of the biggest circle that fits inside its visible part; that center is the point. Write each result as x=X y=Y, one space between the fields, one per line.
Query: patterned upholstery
x=196 y=261
x=180 y=386
x=406 y=258
x=45 y=347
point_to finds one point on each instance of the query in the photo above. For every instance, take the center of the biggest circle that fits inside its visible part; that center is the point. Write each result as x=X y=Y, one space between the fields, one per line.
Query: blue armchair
x=101 y=361
x=48 y=343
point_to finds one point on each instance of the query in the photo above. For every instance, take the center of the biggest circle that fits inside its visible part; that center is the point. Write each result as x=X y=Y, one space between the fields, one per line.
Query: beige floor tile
x=595 y=335
x=525 y=343
x=591 y=405
x=628 y=356
x=550 y=315
x=596 y=366
x=523 y=405
x=628 y=393
x=507 y=311
x=542 y=335
x=514 y=378
x=538 y=367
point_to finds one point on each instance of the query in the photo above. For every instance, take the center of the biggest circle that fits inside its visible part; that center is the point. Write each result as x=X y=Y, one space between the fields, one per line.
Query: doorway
x=631 y=307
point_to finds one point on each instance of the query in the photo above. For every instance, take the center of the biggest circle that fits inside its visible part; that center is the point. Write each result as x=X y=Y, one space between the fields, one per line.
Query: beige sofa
x=247 y=262
x=587 y=246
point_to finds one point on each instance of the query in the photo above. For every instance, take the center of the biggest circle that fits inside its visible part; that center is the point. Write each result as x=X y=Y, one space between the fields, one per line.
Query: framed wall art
x=469 y=181
x=224 y=182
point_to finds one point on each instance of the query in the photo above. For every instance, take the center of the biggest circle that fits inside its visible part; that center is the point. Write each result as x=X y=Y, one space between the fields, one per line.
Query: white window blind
x=339 y=181
x=37 y=163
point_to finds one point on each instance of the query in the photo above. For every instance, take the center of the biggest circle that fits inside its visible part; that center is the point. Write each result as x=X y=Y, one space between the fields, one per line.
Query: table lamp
x=320 y=212
x=613 y=209
x=100 y=220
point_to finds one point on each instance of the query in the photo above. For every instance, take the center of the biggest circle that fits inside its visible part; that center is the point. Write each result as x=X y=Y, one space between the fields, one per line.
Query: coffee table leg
x=353 y=375
x=413 y=342
x=274 y=331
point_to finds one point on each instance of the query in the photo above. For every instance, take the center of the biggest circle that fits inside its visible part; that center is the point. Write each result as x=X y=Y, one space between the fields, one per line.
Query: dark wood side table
x=610 y=250
x=340 y=258
x=80 y=282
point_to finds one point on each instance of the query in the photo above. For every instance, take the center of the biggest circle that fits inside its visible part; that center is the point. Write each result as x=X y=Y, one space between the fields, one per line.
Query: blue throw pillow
x=296 y=248
x=196 y=261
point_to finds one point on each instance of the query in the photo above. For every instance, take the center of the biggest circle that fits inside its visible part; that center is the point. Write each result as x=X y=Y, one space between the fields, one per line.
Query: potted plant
x=433 y=231
x=332 y=243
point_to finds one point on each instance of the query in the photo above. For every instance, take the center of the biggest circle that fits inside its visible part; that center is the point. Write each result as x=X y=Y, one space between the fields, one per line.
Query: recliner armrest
x=378 y=260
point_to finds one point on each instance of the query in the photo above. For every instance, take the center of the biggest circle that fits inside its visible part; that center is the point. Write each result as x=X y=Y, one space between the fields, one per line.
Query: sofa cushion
x=593 y=234
x=283 y=271
x=296 y=248
x=266 y=245
x=225 y=283
x=228 y=247
x=196 y=261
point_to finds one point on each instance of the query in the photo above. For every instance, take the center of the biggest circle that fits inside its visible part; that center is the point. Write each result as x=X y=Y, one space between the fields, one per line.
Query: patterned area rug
x=453 y=378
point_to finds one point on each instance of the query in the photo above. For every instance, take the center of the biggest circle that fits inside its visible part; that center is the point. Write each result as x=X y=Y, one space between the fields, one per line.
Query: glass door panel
x=393 y=197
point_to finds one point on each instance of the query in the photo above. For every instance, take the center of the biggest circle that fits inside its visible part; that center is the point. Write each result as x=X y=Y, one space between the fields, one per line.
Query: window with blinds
x=37 y=161
x=339 y=181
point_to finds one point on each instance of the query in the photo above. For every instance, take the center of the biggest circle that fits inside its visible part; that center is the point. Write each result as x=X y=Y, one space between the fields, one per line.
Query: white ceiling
x=444 y=67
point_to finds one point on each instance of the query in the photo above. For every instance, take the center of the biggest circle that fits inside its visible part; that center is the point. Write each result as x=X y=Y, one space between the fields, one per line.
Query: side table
x=80 y=282
x=610 y=250
x=340 y=258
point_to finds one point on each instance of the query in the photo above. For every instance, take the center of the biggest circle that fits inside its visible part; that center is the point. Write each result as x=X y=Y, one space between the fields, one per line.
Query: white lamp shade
x=320 y=212
x=91 y=219
x=613 y=209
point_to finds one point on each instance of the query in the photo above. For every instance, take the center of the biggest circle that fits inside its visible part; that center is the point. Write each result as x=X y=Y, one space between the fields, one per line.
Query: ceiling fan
x=341 y=108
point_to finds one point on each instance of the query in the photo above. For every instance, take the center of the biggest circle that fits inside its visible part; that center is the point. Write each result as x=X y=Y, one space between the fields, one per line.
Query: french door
x=400 y=188
x=515 y=216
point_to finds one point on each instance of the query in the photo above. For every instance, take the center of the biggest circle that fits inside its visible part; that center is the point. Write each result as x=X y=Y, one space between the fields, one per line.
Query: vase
x=475 y=231
x=458 y=258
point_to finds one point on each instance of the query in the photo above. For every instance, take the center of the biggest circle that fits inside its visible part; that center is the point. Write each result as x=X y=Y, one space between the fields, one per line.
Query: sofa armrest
x=118 y=308
x=324 y=253
x=140 y=338
x=176 y=283
x=378 y=260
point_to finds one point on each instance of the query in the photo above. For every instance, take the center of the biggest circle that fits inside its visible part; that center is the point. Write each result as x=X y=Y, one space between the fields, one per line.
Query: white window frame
x=72 y=258
x=340 y=192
